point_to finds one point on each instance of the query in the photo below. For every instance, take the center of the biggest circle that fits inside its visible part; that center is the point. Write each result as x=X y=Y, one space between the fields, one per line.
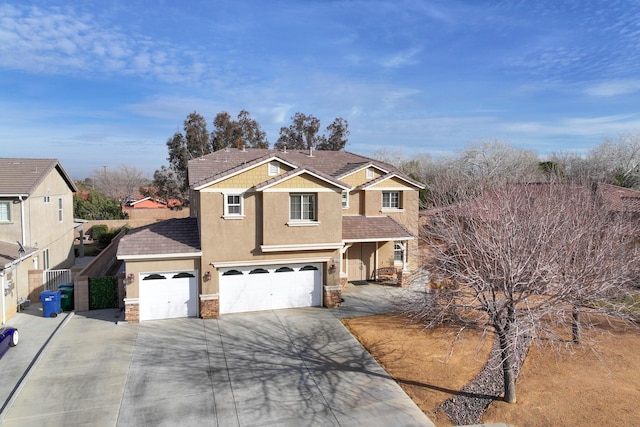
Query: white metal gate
x=53 y=278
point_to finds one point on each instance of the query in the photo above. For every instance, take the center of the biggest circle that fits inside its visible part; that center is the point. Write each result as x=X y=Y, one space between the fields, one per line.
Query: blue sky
x=105 y=83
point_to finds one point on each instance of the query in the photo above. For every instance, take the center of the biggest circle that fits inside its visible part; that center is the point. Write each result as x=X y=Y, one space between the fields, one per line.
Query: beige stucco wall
x=277 y=230
x=157 y=266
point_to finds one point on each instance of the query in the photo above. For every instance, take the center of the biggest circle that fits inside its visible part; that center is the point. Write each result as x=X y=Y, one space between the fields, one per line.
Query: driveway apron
x=280 y=368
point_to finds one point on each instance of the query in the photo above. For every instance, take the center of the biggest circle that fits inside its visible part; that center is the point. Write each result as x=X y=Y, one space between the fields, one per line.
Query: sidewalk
x=35 y=332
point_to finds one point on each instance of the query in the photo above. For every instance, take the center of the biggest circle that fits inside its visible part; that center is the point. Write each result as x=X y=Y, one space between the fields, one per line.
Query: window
x=47 y=199
x=398 y=252
x=232 y=273
x=45 y=259
x=391 y=199
x=5 y=211
x=59 y=209
x=345 y=199
x=284 y=270
x=259 y=271
x=233 y=205
x=274 y=168
x=155 y=277
x=370 y=173
x=302 y=207
x=183 y=275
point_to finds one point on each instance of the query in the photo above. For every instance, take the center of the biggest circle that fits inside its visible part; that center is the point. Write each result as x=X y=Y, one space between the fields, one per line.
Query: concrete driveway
x=285 y=367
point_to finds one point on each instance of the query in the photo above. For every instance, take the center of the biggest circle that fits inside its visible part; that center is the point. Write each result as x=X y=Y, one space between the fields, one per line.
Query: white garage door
x=168 y=295
x=270 y=287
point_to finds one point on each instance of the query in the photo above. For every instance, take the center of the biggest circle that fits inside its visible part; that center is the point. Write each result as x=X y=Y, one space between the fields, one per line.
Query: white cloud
x=614 y=88
x=46 y=41
x=402 y=59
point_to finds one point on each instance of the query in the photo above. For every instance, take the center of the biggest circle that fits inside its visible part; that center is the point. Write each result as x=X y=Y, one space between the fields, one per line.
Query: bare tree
x=509 y=262
x=617 y=161
x=120 y=184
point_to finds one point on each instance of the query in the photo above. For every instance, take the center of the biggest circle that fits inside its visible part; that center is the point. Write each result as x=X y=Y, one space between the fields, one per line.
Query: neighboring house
x=36 y=224
x=145 y=203
x=272 y=229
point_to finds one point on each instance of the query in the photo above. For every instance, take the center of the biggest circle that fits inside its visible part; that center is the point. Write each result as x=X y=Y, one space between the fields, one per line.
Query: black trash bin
x=50 y=303
x=66 y=302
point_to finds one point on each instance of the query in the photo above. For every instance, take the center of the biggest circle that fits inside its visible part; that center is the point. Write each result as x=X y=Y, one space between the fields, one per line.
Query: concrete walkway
x=35 y=333
x=285 y=367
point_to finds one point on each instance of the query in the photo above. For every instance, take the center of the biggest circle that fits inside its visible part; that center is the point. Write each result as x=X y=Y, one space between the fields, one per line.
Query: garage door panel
x=271 y=287
x=168 y=295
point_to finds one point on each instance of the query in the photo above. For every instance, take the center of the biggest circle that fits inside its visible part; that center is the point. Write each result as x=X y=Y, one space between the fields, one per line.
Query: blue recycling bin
x=51 y=303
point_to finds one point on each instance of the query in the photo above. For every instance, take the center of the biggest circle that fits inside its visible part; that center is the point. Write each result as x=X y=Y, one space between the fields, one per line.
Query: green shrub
x=99 y=230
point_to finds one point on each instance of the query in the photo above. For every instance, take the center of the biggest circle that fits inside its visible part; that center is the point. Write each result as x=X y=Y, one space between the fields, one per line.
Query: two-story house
x=272 y=229
x=36 y=224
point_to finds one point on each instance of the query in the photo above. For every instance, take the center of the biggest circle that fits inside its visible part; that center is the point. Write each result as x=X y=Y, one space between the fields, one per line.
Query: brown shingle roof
x=376 y=228
x=172 y=236
x=620 y=199
x=332 y=163
x=22 y=176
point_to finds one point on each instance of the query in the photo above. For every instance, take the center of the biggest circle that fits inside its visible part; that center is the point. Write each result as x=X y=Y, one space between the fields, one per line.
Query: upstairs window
x=345 y=199
x=274 y=168
x=47 y=199
x=370 y=174
x=5 y=211
x=302 y=207
x=60 y=210
x=233 y=205
x=391 y=200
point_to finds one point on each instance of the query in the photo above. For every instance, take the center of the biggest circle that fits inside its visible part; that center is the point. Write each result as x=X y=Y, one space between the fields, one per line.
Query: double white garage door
x=270 y=287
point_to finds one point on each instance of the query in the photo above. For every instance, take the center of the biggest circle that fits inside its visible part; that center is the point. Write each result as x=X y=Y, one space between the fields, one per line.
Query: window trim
x=398 y=248
x=45 y=259
x=227 y=214
x=370 y=174
x=8 y=205
x=303 y=221
x=274 y=168
x=390 y=207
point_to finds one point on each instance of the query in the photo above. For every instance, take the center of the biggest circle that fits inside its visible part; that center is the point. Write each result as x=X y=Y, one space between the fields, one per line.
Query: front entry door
x=361 y=261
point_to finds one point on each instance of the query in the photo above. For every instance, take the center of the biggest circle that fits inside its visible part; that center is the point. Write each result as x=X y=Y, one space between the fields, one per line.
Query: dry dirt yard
x=577 y=386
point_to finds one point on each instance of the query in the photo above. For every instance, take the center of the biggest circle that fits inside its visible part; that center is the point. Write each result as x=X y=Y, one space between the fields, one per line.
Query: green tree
x=190 y=145
x=166 y=185
x=338 y=133
x=244 y=131
x=302 y=134
x=94 y=205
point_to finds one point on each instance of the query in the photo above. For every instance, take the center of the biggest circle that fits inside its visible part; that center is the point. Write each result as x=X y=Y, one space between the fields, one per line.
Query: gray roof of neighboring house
x=178 y=236
x=376 y=228
x=332 y=163
x=22 y=176
x=9 y=253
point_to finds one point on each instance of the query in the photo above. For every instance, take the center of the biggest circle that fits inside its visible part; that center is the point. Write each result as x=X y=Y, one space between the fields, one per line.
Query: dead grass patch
x=577 y=386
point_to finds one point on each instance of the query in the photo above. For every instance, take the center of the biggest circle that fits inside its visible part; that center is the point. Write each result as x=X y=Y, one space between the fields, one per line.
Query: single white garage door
x=270 y=287
x=168 y=295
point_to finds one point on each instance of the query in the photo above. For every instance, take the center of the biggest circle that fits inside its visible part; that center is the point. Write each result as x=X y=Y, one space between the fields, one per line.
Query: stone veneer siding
x=132 y=312
x=209 y=307
x=332 y=296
